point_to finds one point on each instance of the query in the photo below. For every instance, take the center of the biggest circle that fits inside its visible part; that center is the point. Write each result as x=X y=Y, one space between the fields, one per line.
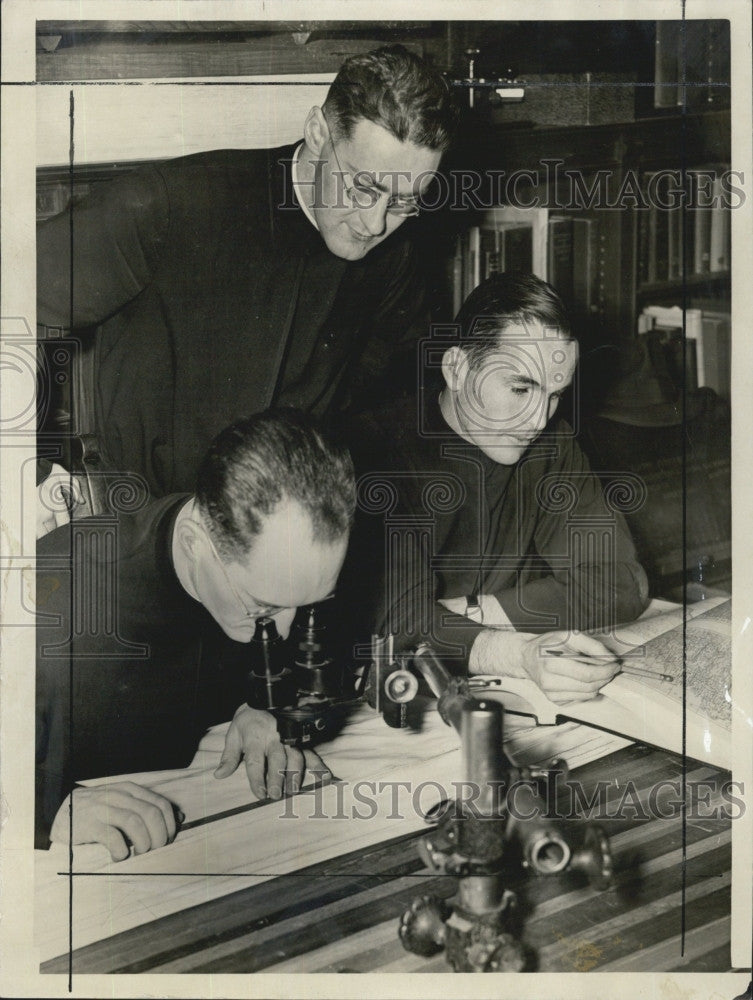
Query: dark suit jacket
x=195 y=272
x=130 y=670
x=437 y=518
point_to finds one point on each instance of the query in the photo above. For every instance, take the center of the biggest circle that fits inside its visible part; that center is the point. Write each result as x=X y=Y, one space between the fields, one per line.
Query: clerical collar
x=297 y=188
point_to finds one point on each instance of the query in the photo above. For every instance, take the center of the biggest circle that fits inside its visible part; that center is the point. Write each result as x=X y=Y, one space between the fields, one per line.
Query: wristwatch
x=473 y=609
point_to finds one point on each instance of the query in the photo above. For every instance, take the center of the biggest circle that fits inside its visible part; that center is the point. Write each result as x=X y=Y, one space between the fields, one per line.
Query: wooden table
x=341 y=914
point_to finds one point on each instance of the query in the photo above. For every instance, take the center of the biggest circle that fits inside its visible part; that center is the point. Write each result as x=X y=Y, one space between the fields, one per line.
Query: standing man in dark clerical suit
x=220 y=283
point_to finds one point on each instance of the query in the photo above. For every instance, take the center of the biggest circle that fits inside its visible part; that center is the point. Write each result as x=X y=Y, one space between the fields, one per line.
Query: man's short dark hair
x=503 y=300
x=396 y=89
x=272 y=456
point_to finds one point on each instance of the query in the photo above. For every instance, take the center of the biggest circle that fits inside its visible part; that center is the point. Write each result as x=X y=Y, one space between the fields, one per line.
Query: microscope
x=481 y=841
x=303 y=687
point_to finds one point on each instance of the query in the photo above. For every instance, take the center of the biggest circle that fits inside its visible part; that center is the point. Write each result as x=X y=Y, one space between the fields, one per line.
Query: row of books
x=485 y=250
x=575 y=261
x=697 y=236
x=565 y=249
x=704 y=359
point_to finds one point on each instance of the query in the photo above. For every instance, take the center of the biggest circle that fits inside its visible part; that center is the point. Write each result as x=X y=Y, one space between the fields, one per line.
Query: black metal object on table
x=305 y=690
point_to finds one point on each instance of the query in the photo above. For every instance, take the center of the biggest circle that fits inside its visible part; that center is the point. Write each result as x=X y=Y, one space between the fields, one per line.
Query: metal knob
x=401 y=686
x=422 y=926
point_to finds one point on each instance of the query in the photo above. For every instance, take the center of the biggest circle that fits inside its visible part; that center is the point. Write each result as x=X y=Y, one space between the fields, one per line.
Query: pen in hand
x=624 y=668
x=644 y=672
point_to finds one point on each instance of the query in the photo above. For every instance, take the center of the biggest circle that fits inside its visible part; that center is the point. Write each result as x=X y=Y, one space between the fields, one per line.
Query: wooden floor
x=342 y=915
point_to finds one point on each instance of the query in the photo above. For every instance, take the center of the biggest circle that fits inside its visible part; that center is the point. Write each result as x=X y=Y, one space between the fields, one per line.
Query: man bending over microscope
x=495 y=541
x=144 y=620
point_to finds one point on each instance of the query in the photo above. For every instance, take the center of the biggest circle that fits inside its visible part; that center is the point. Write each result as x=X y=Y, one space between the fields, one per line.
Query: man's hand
x=116 y=815
x=272 y=767
x=57 y=496
x=567 y=666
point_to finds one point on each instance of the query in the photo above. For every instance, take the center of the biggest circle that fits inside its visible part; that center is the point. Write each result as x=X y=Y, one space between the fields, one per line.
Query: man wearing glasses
x=228 y=281
x=181 y=582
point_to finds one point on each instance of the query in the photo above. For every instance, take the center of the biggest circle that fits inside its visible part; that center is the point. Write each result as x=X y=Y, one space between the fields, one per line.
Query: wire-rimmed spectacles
x=364 y=193
x=262 y=610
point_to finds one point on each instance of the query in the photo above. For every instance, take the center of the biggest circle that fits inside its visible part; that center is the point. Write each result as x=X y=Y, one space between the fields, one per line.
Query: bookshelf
x=591 y=187
x=505 y=238
x=630 y=269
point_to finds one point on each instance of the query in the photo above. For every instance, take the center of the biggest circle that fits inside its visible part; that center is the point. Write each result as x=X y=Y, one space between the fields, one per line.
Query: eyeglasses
x=363 y=193
x=261 y=610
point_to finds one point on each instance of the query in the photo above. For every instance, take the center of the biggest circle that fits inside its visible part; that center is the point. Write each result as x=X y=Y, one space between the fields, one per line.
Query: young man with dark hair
x=496 y=544
x=135 y=614
x=224 y=282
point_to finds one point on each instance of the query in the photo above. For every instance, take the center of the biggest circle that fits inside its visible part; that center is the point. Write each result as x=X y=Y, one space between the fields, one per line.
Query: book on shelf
x=658 y=230
x=685 y=362
x=695 y=232
x=508 y=247
x=516 y=248
x=456 y=275
x=642 y=253
x=679 y=654
x=717 y=357
x=575 y=259
x=651 y=273
x=687 y=221
x=674 y=245
x=465 y=266
x=507 y=239
x=489 y=249
x=707 y=347
x=710 y=221
x=660 y=215
x=588 y=265
x=473 y=270
x=522 y=237
x=719 y=231
x=560 y=252
x=565 y=249
x=702 y=240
